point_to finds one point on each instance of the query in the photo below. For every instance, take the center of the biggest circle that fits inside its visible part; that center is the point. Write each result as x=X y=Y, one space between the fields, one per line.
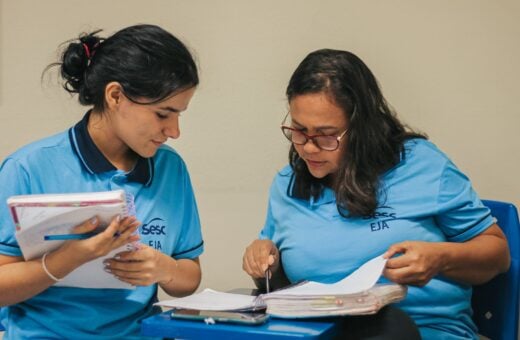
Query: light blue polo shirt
x=165 y=204
x=424 y=197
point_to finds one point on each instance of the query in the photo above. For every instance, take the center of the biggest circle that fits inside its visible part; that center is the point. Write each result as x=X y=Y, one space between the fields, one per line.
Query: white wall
x=450 y=68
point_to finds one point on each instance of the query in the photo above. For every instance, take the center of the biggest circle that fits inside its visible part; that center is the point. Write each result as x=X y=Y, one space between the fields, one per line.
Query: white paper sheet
x=210 y=299
x=362 y=279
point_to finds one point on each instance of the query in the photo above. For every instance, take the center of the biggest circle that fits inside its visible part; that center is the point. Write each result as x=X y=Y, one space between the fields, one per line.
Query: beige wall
x=450 y=68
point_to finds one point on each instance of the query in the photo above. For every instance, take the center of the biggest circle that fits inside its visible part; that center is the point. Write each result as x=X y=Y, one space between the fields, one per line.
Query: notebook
x=357 y=294
x=37 y=216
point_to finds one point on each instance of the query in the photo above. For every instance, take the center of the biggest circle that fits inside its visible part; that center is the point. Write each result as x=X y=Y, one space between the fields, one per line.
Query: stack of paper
x=356 y=294
x=365 y=302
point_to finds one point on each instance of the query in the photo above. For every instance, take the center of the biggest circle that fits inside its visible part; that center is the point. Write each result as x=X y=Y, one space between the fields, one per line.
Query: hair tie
x=87 y=50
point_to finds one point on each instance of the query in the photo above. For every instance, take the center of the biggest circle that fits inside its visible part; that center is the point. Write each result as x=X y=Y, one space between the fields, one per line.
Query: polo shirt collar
x=95 y=162
x=327 y=194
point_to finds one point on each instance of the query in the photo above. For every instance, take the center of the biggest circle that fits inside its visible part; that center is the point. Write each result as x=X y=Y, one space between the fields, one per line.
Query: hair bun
x=76 y=59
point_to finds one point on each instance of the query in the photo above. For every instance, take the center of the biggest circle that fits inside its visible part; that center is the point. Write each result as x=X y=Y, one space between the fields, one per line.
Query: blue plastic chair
x=496 y=303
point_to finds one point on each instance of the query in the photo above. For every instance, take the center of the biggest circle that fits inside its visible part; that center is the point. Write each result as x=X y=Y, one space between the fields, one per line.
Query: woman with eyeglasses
x=360 y=184
x=135 y=84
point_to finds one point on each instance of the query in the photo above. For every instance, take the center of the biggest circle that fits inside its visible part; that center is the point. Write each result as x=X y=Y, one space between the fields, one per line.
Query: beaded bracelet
x=47 y=271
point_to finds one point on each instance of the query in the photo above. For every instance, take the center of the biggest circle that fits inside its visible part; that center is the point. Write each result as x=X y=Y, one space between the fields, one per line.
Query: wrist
x=54 y=265
x=74 y=257
x=444 y=257
x=47 y=271
x=171 y=273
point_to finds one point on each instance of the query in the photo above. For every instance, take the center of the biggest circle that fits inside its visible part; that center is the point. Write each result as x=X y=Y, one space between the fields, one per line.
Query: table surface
x=162 y=325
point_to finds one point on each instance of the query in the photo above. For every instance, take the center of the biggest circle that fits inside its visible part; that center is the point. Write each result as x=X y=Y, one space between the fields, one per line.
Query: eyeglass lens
x=323 y=142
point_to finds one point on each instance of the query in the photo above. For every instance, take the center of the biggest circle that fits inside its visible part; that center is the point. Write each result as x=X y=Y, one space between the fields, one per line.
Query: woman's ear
x=113 y=95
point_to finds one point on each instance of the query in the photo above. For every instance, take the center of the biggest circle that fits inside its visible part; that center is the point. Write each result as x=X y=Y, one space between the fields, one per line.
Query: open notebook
x=356 y=294
x=36 y=217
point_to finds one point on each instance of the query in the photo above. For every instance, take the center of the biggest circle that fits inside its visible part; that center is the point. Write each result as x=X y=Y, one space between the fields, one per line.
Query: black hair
x=375 y=137
x=149 y=63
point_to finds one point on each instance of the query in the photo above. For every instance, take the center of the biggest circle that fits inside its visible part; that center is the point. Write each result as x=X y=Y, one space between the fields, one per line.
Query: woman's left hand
x=141 y=267
x=417 y=263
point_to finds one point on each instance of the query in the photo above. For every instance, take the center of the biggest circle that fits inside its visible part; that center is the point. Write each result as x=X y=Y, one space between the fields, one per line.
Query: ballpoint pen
x=267 y=274
x=65 y=237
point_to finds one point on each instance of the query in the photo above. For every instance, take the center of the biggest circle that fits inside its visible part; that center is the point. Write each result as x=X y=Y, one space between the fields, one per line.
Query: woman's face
x=144 y=128
x=316 y=114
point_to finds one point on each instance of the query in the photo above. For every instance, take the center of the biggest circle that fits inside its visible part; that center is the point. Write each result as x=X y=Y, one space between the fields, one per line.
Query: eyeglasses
x=324 y=142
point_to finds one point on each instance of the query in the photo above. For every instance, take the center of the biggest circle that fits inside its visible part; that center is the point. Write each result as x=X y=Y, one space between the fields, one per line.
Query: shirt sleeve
x=190 y=244
x=461 y=215
x=13 y=181
x=267 y=232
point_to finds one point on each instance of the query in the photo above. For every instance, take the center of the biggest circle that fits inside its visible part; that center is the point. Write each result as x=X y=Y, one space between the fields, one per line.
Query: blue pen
x=65 y=237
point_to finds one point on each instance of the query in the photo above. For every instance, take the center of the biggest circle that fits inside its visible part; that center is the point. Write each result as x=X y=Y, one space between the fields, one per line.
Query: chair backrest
x=495 y=303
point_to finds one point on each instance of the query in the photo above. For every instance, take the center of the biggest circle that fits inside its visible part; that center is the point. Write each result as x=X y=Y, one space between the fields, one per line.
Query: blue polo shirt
x=424 y=198
x=165 y=204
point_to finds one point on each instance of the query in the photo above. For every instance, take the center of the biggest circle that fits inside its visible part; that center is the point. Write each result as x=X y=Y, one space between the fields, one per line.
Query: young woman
x=136 y=83
x=358 y=185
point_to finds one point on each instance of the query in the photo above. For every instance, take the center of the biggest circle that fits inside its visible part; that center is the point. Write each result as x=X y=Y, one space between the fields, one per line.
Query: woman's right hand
x=260 y=255
x=119 y=232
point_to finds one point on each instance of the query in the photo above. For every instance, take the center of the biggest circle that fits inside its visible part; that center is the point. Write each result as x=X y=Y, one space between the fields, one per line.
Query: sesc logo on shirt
x=381 y=218
x=155 y=228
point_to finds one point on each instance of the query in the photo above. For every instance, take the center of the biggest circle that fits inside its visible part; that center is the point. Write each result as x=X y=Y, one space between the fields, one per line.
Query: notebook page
x=360 y=280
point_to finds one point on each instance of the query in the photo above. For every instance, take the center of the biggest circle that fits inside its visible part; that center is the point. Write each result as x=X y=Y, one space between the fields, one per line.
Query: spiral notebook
x=36 y=217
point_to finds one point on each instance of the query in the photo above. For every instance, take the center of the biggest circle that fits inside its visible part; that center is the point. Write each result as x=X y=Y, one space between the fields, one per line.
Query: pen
x=267 y=274
x=64 y=237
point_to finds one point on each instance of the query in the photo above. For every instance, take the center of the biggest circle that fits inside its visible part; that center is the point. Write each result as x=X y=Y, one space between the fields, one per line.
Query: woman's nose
x=172 y=129
x=310 y=146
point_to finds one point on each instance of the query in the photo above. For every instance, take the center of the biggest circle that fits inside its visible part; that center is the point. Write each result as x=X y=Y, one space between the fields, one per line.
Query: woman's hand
x=260 y=255
x=141 y=267
x=418 y=263
x=119 y=232
x=471 y=262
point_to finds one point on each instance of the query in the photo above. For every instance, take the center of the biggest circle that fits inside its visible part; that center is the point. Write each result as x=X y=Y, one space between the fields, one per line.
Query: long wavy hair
x=375 y=138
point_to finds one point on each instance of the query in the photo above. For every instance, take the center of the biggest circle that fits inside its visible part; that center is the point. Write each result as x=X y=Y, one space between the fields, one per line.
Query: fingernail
x=117 y=257
x=106 y=263
x=107 y=270
x=118 y=218
x=94 y=220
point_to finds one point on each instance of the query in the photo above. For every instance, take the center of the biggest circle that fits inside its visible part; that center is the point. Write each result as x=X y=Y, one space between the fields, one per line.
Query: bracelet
x=47 y=270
